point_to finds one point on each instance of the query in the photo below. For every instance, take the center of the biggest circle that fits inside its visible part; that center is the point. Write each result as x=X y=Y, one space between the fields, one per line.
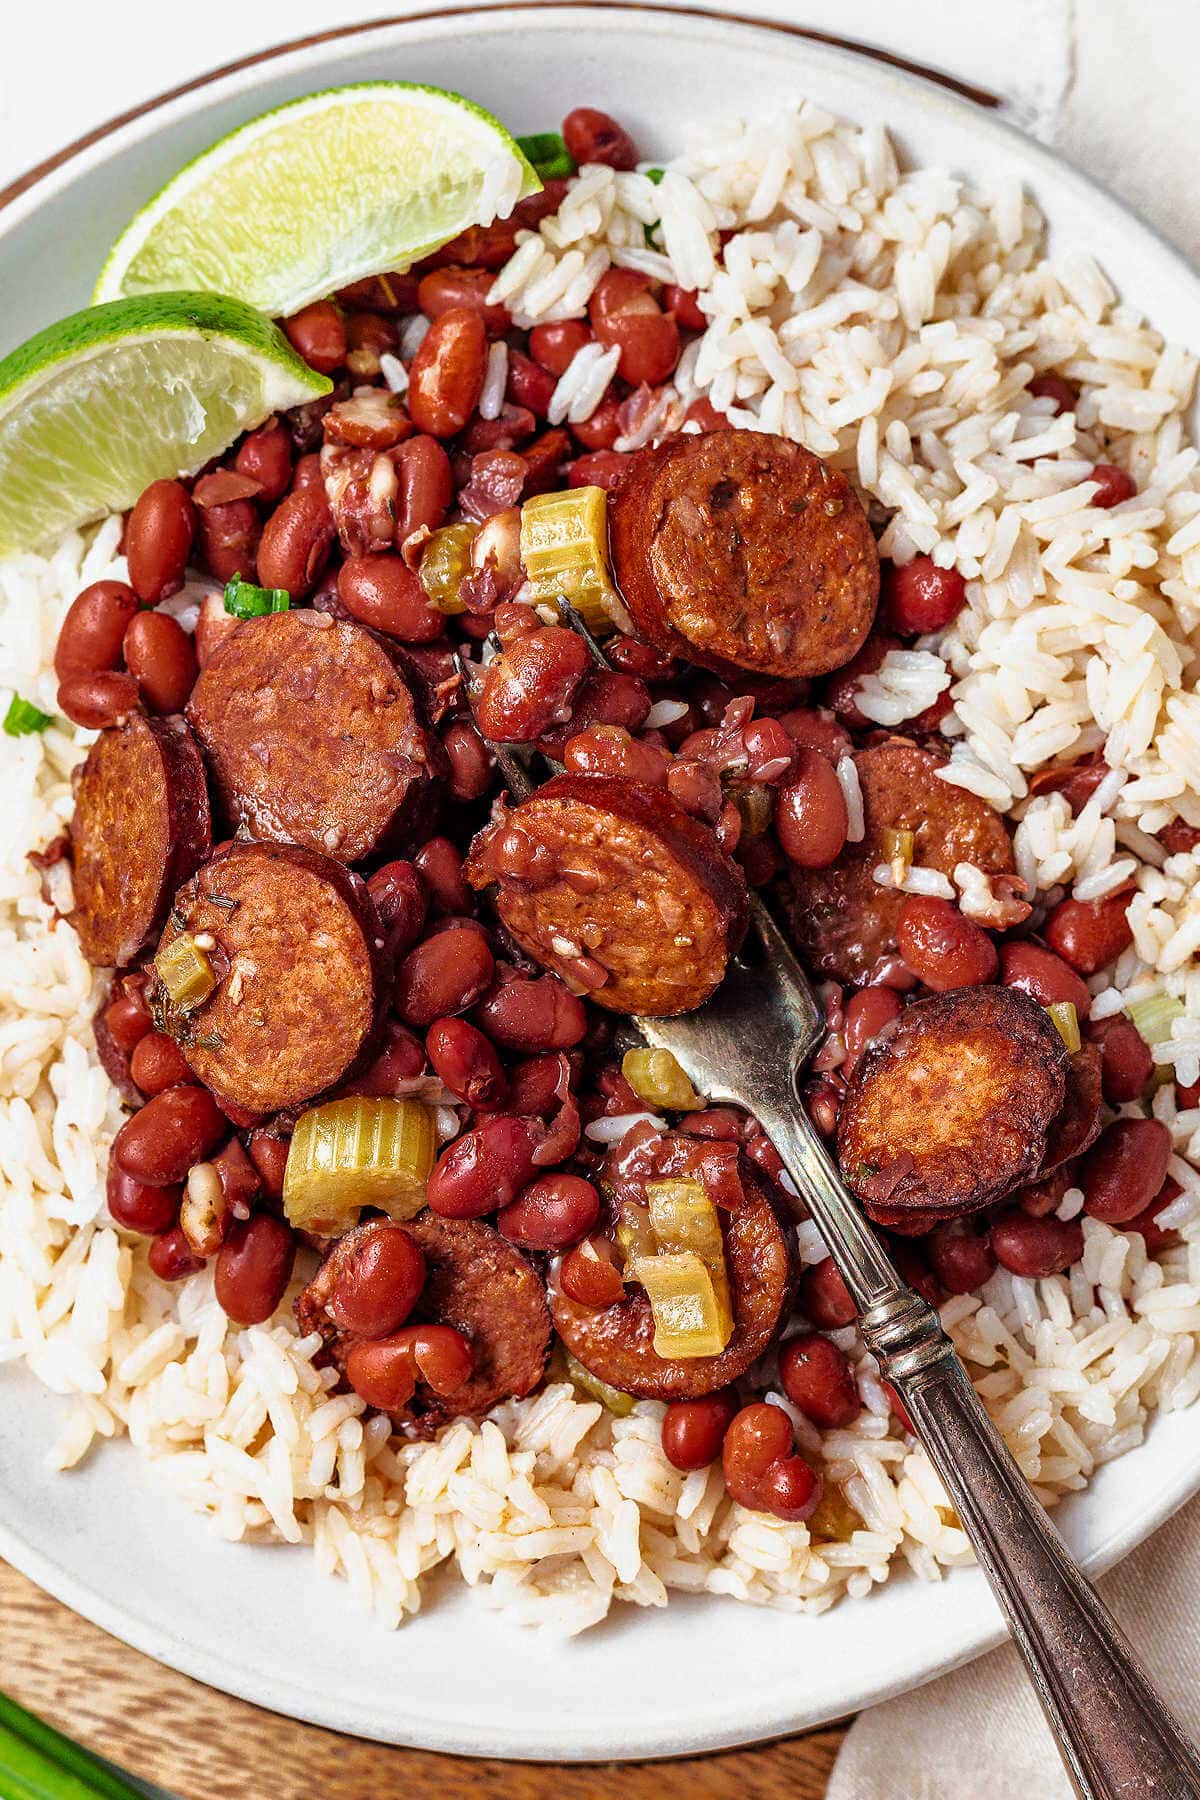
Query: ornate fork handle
x=1118 y=1740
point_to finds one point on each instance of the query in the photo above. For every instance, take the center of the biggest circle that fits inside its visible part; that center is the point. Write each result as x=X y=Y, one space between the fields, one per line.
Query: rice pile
x=892 y=321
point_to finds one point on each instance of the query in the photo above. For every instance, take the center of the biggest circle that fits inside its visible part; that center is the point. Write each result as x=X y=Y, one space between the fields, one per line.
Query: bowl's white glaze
x=108 y=1539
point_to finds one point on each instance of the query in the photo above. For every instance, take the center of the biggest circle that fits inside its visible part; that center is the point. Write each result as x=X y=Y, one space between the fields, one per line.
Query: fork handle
x=1116 y=1737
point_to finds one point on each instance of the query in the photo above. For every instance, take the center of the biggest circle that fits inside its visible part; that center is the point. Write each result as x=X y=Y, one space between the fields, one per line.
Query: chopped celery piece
x=1154 y=1017
x=1067 y=1023
x=23 y=717
x=617 y=1402
x=444 y=561
x=687 y=1317
x=656 y=1078
x=548 y=153
x=347 y=1154
x=246 y=601
x=185 y=971
x=564 y=547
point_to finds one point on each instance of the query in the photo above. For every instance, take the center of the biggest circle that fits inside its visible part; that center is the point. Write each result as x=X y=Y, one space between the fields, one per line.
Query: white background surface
x=1112 y=83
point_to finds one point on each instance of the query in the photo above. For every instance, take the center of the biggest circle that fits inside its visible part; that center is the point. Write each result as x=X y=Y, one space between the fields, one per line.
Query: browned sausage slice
x=615 y=888
x=313 y=736
x=617 y=1342
x=741 y=548
x=141 y=827
x=294 y=940
x=842 y=921
x=952 y=1109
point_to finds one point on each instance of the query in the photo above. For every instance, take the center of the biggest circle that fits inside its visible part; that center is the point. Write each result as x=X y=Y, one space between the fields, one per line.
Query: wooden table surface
x=201 y=1745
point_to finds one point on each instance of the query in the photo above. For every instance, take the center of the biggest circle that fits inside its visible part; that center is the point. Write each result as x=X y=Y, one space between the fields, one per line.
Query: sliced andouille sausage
x=614 y=887
x=739 y=548
x=953 y=1108
x=141 y=827
x=617 y=1342
x=842 y=921
x=294 y=942
x=1078 y=1123
x=313 y=736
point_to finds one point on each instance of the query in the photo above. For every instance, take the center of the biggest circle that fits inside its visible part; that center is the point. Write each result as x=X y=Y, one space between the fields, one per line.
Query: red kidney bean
x=943 y=948
x=770 y=752
x=824 y=1101
x=1057 y=388
x=817 y=731
x=817 y=1377
x=94 y=629
x=1113 y=485
x=1046 y=977
x=383 y=592
x=241 y=1180
x=269 y=1155
x=591 y=1280
x=824 y=1297
x=554 y=345
x=762 y=1470
x=157 y=1063
x=534 y=1085
x=375 y=1277
x=694 y=1430
x=624 y=312
x=318 y=334
x=384 y=1371
x=599 y=468
x=128 y=1019
x=868 y=1013
x=1038 y=1198
x=1178 y=838
x=402 y=900
x=175 y=1129
x=921 y=597
x=530 y=385
x=466 y=1062
x=391 y=292
x=602 y=429
x=810 y=814
x=703 y=413
x=530 y=687
x=254 y=1266
x=472 y=764
x=158 y=538
x=400 y=1058
x=605 y=697
x=228 y=539
x=136 y=1206
x=1036 y=1247
x=444 y=975
x=536 y=1014
x=171 y=1257
x=441 y=868
x=424 y=486
x=1124 y=1169
x=162 y=661
x=448 y=289
x=307 y=474
x=1076 y=781
x=1126 y=1064
x=841 y=688
x=95 y=701
x=265 y=456
x=447 y=373
x=551 y=1214
x=486 y=1168
x=961 y=1256
x=697 y=787
x=296 y=542
x=1157 y=1237
x=544 y=459
x=592 y=136
x=913 y=1268
x=1088 y=934
x=610 y=750
x=686 y=307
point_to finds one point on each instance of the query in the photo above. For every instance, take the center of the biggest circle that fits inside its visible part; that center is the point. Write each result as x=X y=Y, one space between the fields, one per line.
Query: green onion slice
x=1154 y=1017
x=654 y=175
x=245 y=601
x=23 y=717
x=548 y=153
x=35 y=1762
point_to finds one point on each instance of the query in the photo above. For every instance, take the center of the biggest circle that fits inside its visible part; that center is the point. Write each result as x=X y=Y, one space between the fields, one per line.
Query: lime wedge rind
x=319 y=192
x=95 y=407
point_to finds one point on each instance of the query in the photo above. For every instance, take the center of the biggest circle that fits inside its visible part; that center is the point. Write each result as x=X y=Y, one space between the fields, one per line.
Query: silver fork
x=747 y=1047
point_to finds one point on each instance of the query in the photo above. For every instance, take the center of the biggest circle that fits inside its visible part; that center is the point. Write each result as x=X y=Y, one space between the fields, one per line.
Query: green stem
x=37 y=1763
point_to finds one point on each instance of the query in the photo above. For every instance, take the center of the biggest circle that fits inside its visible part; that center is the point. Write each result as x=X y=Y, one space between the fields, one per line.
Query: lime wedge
x=312 y=196
x=96 y=407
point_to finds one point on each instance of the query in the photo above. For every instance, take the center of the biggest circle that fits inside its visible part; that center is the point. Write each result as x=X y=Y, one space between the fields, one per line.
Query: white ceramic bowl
x=259 y=1622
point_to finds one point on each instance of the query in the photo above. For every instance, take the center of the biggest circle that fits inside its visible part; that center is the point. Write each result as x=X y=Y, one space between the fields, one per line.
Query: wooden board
x=201 y=1745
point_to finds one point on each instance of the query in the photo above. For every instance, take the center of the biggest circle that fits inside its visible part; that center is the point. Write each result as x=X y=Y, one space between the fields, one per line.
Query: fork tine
x=569 y=616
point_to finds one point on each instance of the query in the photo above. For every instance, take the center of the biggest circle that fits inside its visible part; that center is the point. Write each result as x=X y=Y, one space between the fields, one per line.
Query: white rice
x=891 y=320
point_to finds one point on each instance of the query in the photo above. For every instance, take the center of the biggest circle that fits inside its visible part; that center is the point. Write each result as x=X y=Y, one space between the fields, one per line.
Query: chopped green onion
x=36 y=1761
x=1066 y=1022
x=654 y=175
x=24 y=717
x=1154 y=1017
x=548 y=154
x=245 y=601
